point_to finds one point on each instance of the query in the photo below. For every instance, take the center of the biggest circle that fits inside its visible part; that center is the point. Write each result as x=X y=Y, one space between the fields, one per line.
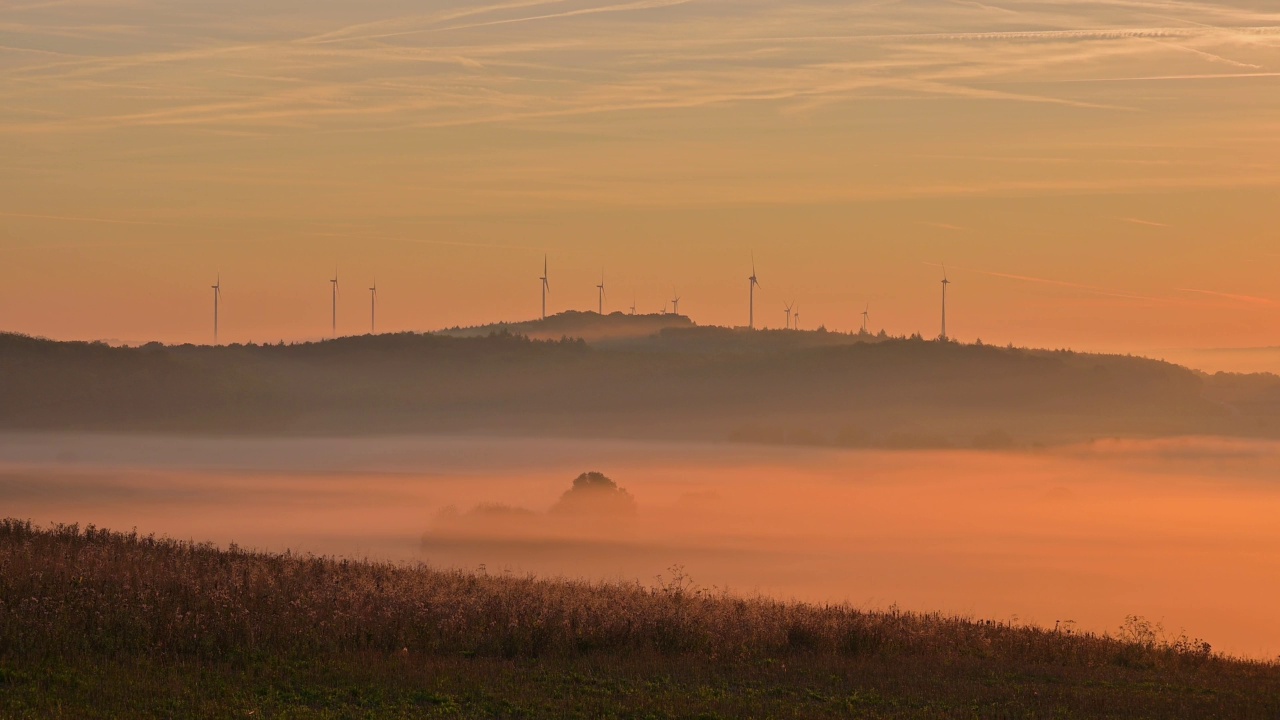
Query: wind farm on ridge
x=790 y=308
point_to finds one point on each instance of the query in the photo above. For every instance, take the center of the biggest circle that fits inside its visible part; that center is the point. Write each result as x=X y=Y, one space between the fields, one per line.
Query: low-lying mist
x=1182 y=532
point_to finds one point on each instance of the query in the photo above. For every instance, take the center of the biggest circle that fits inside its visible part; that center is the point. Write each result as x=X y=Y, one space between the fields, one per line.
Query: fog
x=1233 y=360
x=1182 y=532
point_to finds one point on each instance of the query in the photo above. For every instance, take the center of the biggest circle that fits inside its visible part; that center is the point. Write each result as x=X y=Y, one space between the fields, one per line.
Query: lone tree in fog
x=594 y=494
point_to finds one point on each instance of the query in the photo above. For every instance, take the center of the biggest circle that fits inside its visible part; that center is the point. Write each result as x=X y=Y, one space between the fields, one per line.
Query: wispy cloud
x=1166 y=78
x=1140 y=221
x=639 y=69
x=1215 y=58
x=1093 y=289
x=365 y=237
x=622 y=7
x=941 y=225
x=83 y=219
x=1111 y=292
x=1245 y=299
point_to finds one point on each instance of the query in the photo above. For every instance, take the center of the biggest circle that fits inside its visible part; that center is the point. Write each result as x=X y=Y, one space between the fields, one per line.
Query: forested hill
x=590 y=326
x=681 y=383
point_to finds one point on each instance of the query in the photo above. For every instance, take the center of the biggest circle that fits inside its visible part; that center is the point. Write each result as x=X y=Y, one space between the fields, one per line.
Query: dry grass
x=99 y=603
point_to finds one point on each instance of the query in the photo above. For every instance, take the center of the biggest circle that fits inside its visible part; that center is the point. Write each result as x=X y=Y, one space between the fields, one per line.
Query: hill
x=100 y=624
x=667 y=332
x=682 y=382
x=588 y=326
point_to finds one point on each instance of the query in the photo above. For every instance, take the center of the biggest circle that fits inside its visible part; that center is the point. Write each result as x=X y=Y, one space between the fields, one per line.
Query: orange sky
x=1100 y=175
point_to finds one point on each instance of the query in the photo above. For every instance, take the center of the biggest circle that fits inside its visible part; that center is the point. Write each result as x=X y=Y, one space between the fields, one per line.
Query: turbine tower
x=865 y=315
x=546 y=287
x=217 y=294
x=600 y=294
x=675 y=305
x=945 y=283
x=373 y=308
x=789 y=315
x=795 y=325
x=334 y=281
x=751 y=315
x=633 y=304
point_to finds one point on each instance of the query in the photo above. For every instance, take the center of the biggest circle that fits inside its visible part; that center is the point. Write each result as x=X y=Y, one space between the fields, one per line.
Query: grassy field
x=101 y=624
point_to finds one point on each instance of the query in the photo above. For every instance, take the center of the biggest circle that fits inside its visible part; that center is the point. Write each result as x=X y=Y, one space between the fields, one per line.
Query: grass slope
x=100 y=624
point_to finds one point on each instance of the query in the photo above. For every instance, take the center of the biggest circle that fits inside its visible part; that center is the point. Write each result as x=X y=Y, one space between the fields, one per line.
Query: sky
x=1097 y=175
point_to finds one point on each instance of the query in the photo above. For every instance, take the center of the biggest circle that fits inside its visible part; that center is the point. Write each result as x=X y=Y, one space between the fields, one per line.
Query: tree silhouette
x=595 y=494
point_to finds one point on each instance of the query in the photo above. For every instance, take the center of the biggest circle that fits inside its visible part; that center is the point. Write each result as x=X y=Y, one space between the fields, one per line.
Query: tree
x=594 y=494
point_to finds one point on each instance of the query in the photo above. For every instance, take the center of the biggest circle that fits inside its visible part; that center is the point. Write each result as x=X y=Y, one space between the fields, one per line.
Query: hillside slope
x=99 y=624
x=682 y=383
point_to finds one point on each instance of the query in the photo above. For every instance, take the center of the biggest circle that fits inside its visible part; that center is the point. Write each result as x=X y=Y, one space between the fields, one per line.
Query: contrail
x=72 y=218
x=1058 y=283
x=1248 y=299
x=424 y=241
x=1139 y=221
x=1155 y=78
x=941 y=225
x=641 y=5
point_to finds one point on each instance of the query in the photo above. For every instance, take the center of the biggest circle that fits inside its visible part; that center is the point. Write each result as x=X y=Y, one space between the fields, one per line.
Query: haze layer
x=1179 y=531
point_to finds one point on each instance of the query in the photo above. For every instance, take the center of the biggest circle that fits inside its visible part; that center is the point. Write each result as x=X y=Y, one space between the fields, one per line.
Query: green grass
x=99 y=624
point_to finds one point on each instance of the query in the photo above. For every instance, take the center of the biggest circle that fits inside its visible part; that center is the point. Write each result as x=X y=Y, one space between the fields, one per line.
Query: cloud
x=589 y=69
x=624 y=7
x=1094 y=289
x=1148 y=223
x=1246 y=299
x=1163 y=78
x=346 y=34
x=1215 y=58
x=363 y=237
x=82 y=219
x=1109 y=292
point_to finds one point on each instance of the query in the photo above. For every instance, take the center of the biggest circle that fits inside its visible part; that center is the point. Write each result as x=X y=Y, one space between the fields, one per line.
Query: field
x=101 y=624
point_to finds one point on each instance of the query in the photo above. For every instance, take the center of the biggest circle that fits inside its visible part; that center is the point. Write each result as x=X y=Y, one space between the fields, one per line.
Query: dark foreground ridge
x=679 y=382
x=100 y=624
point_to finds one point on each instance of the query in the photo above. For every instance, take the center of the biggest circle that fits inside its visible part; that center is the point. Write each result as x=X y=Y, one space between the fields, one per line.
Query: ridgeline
x=620 y=376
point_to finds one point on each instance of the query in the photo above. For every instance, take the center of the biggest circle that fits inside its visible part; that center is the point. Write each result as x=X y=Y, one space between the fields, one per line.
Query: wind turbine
x=789 y=315
x=217 y=294
x=546 y=287
x=675 y=305
x=373 y=308
x=751 y=316
x=633 y=304
x=945 y=283
x=865 y=315
x=335 y=301
x=600 y=295
x=796 y=323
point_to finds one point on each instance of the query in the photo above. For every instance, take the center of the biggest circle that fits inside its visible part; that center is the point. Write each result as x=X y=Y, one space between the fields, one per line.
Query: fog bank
x=1179 y=531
